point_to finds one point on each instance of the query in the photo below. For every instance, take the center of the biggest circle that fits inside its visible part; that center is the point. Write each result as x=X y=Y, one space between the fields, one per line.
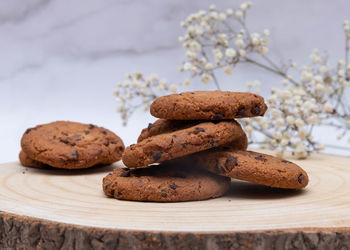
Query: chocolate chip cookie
x=71 y=145
x=182 y=142
x=164 y=183
x=28 y=162
x=208 y=105
x=250 y=166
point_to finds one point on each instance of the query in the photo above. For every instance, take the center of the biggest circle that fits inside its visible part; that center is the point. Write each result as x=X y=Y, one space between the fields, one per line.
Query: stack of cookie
x=69 y=145
x=198 y=146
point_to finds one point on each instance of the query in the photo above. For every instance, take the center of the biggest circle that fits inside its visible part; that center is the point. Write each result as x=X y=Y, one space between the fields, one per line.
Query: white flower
x=318 y=78
x=187 y=82
x=328 y=107
x=230 y=52
x=209 y=66
x=160 y=87
x=306 y=76
x=272 y=99
x=290 y=119
x=229 y=12
x=206 y=78
x=302 y=134
x=266 y=32
x=173 y=88
x=222 y=16
x=312 y=119
x=245 y=6
x=299 y=122
x=187 y=66
x=240 y=42
x=255 y=38
x=242 y=52
x=319 y=87
x=277 y=135
x=284 y=142
x=228 y=70
x=263 y=50
x=279 y=122
x=341 y=63
x=249 y=129
x=239 y=13
x=341 y=73
x=212 y=7
x=275 y=113
x=323 y=69
x=190 y=54
x=134 y=84
x=196 y=46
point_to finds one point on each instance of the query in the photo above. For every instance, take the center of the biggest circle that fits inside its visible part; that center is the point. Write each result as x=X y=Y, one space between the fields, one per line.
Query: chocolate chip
x=213 y=143
x=164 y=195
x=230 y=163
x=28 y=130
x=112 y=192
x=119 y=194
x=74 y=155
x=192 y=93
x=54 y=137
x=285 y=161
x=198 y=130
x=218 y=117
x=150 y=125
x=132 y=145
x=104 y=132
x=256 y=110
x=91 y=126
x=241 y=111
x=183 y=145
x=126 y=173
x=107 y=186
x=63 y=133
x=156 y=155
x=173 y=186
x=73 y=144
x=106 y=143
x=64 y=141
x=87 y=132
x=260 y=158
x=114 y=142
x=174 y=136
x=301 y=178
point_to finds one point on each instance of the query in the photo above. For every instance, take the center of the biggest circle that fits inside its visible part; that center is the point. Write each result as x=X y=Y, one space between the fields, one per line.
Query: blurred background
x=61 y=60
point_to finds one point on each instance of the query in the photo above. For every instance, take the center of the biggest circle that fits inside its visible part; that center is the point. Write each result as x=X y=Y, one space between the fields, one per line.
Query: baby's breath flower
x=206 y=78
x=230 y=52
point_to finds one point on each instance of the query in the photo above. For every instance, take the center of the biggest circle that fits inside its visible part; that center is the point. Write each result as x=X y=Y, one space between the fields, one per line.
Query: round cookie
x=167 y=146
x=28 y=162
x=250 y=166
x=208 y=105
x=164 y=183
x=163 y=126
x=71 y=145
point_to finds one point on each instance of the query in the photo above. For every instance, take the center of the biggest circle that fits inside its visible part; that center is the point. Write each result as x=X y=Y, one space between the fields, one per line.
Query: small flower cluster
x=215 y=39
x=295 y=110
x=139 y=91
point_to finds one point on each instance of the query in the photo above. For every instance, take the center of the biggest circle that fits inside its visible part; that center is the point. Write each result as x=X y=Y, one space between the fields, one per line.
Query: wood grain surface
x=74 y=199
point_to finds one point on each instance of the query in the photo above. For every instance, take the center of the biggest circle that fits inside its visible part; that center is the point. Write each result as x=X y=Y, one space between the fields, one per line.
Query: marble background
x=60 y=59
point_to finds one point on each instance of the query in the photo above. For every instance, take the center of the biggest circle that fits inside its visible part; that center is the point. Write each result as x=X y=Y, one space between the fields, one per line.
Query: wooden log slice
x=58 y=209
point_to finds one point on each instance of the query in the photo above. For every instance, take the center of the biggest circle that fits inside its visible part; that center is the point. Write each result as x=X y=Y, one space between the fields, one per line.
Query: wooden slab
x=74 y=200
